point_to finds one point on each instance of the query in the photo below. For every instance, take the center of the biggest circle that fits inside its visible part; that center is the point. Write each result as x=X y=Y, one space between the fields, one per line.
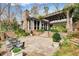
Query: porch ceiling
x=56 y=16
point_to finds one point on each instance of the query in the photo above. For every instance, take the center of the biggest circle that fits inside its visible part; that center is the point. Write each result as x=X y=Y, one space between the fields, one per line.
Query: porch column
x=36 y=25
x=32 y=24
x=47 y=26
x=40 y=25
x=28 y=25
x=43 y=25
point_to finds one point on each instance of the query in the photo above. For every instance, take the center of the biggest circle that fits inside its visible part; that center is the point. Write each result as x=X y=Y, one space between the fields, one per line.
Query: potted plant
x=56 y=39
x=16 y=51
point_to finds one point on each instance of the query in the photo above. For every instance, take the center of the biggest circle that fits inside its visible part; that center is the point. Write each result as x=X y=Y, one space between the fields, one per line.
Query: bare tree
x=9 y=7
x=2 y=8
x=35 y=10
x=46 y=8
x=57 y=6
x=16 y=13
x=18 y=10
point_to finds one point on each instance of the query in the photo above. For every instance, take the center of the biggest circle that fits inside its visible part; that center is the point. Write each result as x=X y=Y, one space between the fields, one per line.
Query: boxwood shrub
x=56 y=37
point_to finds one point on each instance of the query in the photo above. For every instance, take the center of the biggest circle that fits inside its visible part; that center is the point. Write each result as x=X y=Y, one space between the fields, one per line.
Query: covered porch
x=35 y=24
x=60 y=17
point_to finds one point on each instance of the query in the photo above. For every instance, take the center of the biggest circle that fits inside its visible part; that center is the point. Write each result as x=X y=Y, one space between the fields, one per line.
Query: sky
x=51 y=6
x=28 y=6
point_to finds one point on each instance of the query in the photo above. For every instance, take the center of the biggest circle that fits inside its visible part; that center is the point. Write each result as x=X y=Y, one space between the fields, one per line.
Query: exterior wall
x=25 y=21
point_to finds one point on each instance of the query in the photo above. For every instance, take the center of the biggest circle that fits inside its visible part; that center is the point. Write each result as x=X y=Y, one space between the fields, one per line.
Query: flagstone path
x=38 y=45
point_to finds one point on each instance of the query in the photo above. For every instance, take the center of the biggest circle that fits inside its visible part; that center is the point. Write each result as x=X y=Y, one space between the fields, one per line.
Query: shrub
x=15 y=50
x=58 y=28
x=21 y=32
x=54 y=30
x=56 y=37
x=40 y=30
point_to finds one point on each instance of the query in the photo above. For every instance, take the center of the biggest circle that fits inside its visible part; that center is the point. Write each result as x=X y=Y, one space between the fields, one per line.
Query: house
x=32 y=23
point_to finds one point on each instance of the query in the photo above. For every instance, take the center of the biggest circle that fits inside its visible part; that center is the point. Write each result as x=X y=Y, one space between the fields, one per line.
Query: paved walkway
x=38 y=45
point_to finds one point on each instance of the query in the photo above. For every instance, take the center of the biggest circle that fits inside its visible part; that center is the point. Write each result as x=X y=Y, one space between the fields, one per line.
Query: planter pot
x=56 y=44
x=16 y=54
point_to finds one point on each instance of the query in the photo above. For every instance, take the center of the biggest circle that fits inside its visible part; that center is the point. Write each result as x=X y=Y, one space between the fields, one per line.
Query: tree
x=76 y=13
x=69 y=9
x=8 y=12
x=57 y=6
x=46 y=10
x=17 y=11
x=72 y=14
x=3 y=8
x=9 y=7
x=35 y=10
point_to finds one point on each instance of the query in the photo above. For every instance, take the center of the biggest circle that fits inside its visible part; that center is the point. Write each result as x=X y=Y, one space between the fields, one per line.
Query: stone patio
x=38 y=45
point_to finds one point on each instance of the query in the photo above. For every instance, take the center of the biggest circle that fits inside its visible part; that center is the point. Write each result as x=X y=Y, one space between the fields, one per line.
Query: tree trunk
x=69 y=23
x=9 y=5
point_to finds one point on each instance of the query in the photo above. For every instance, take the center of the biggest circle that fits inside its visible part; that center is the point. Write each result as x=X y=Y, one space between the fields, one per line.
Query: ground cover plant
x=67 y=49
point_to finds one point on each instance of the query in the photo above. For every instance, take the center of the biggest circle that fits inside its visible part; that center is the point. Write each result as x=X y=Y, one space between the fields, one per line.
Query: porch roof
x=56 y=16
x=33 y=18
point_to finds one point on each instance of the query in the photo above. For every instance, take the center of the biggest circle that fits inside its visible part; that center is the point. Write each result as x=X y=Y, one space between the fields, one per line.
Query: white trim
x=58 y=21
